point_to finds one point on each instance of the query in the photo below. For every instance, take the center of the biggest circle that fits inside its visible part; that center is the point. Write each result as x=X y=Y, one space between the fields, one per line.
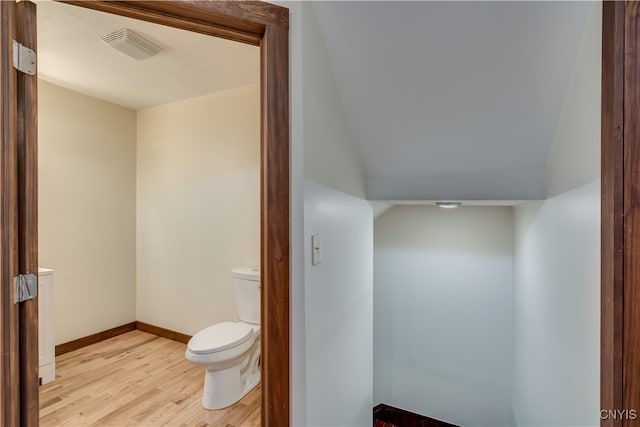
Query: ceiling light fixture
x=448 y=205
x=131 y=44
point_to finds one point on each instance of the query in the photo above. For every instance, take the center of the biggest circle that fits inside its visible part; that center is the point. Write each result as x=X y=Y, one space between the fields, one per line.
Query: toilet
x=230 y=351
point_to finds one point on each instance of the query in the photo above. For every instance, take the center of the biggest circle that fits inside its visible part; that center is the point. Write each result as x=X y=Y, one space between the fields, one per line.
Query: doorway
x=255 y=23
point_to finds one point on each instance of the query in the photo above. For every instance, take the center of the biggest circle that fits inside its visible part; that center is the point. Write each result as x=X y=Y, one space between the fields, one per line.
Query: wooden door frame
x=18 y=217
x=265 y=25
x=27 y=143
x=9 y=233
x=620 y=263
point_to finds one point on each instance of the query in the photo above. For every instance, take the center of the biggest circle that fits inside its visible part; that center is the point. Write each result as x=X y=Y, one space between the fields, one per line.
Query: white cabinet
x=46 y=340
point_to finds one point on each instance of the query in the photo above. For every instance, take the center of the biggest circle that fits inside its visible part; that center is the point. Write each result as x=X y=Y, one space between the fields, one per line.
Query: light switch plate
x=316 y=249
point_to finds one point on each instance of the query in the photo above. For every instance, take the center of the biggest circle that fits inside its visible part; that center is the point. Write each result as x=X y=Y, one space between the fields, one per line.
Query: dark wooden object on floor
x=388 y=416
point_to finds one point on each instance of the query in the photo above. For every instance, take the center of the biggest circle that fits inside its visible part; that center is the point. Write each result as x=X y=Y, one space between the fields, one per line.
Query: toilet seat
x=220 y=337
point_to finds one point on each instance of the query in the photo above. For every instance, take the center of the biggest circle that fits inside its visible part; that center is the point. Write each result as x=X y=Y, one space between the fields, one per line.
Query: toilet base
x=224 y=387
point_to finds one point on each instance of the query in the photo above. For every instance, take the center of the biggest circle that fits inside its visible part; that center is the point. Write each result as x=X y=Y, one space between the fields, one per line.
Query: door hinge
x=25 y=287
x=24 y=59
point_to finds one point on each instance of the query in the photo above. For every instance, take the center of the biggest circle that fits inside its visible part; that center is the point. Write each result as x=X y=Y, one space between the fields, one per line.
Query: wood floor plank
x=254 y=419
x=135 y=379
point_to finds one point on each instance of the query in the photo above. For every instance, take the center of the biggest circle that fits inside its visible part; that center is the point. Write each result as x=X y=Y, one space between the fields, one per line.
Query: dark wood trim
x=9 y=336
x=119 y=330
x=243 y=21
x=162 y=332
x=631 y=180
x=94 y=338
x=141 y=11
x=620 y=295
x=612 y=222
x=28 y=216
x=275 y=227
x=267 y=25
x=245 y=16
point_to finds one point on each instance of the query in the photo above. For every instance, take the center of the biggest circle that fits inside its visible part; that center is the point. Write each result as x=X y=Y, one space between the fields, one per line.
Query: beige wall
x=198 y=217
x=87 y=209
x=197 y=201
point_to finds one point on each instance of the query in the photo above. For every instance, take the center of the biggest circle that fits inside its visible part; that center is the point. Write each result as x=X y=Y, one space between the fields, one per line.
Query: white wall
x=198 y=198
x=336 y=382
x=338 y=309
x=321 y=151
x=442 y=312
x=379 y=208
x=87 y=164
x=556 y=304
x=575 y=156
x=298 y=393
x=330 y=157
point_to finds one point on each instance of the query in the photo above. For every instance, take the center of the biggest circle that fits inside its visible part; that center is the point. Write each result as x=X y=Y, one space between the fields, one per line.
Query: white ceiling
x=445 y=100
x=453 y=100
x=71 y=54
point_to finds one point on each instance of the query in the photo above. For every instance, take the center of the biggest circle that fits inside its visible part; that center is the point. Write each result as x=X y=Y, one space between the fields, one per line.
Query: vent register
x=131 y=44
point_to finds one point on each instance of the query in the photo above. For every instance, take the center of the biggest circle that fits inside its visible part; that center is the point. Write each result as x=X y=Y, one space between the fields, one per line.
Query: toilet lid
x=219 y=337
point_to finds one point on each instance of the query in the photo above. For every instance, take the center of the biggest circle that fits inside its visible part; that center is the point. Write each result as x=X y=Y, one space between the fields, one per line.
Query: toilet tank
x=246 y=286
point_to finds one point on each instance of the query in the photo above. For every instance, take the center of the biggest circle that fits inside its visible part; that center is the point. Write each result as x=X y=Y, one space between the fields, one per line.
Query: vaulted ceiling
x=444 y=100
x=453 y=99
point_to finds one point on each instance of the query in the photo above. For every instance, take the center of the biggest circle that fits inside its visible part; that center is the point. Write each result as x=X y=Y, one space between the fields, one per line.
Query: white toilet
x=230 y=351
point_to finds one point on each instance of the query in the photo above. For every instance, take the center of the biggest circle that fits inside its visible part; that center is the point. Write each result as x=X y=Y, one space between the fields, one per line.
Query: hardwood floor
x=135 y=379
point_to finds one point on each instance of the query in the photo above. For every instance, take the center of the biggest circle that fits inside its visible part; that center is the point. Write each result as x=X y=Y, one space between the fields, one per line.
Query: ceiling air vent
x=131 y=44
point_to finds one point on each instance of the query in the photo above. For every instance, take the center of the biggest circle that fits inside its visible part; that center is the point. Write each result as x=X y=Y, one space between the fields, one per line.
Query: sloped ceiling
x=445 y=100
x=453 y=100
x=71 y=54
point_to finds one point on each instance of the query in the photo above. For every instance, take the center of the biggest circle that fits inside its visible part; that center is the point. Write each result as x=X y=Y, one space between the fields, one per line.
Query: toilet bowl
x=230 y=351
